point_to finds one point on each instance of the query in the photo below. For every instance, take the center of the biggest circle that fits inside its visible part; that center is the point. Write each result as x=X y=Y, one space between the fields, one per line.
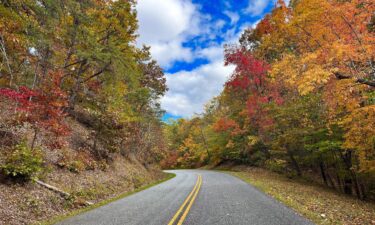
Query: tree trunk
x=77 y=85
x=34 y=138
x=6 y=59
x=295 y=164
x=330 y=181
x=339 y=183
x=205 y=143
x=322 y=172
x=348 y=180
x=363 y=190
x=348 y=184
x=356 y=185
x=337 y=170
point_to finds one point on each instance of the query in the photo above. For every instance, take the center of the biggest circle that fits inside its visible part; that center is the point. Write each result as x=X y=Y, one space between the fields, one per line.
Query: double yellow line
x=189 y=202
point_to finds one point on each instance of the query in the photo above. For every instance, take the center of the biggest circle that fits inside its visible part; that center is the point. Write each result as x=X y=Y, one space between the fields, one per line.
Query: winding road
x=196 y=197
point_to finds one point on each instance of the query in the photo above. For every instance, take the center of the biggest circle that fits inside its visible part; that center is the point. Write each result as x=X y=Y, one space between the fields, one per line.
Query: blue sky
x=187 y=38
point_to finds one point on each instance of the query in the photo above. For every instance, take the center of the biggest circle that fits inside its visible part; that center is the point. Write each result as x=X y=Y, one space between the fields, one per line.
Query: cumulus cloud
x=166 y=25
x=190 y=90
x=165 y=33
x=168 y=52
x=212 y=54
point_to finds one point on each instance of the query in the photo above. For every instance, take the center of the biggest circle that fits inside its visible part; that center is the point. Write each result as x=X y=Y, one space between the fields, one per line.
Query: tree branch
x=97 y=73
x=357 y=80
x=74 y=63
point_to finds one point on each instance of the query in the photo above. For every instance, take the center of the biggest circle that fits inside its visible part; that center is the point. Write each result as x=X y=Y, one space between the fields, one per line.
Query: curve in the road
x=194 y=197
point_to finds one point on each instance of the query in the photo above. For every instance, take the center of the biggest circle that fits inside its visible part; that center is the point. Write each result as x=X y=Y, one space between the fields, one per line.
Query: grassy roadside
x=317 y=203
x=104 y=202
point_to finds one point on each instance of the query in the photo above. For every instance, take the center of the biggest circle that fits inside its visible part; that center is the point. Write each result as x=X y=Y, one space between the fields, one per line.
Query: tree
x=41 y=108
x=79 y=59
x=301 y=97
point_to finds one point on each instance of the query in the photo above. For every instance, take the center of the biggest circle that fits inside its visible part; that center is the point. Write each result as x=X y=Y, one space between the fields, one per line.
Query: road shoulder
x=105 y=202
x=317 y=203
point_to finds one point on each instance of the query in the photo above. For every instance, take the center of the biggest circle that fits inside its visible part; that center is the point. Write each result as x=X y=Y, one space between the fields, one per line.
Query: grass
x=104 y=202
x=317 y=203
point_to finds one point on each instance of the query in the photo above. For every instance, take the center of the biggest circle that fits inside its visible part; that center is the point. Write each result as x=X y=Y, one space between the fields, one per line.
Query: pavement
x=194 y=197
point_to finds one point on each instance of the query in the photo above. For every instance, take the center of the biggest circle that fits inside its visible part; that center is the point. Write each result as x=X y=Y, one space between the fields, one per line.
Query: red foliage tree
x=264 y=26
x=42 y=108
x=225 y=125
x=250 y=76
x=250 y=72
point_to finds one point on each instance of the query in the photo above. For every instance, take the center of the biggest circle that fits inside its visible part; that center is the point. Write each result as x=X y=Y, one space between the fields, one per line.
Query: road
x=196 y=197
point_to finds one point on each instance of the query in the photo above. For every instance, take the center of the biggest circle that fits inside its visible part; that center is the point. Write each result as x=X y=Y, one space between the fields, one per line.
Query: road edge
x=307 y=215
x=76 y=212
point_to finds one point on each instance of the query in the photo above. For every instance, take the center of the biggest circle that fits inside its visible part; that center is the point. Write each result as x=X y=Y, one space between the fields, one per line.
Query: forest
x=300 y=102
x=81 y=107
x=81 y=116
x=64 y=61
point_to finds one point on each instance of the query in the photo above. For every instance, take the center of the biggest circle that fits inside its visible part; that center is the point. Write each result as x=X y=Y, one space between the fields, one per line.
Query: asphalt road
x=203 y=197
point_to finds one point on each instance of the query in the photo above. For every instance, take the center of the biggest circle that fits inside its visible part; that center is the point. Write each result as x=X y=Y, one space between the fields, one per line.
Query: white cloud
x=165 y=25
x=219 y=24
x=257 y=7
x=190 y=90
x=213 y=53
x=234 y=17
x=168 y=52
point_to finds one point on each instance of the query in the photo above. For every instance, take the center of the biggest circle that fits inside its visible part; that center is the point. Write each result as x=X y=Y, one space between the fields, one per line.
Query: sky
x=187 y=38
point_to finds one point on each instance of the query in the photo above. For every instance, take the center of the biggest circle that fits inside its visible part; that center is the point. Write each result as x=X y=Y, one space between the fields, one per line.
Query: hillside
x=75 y=169
x=78 y=106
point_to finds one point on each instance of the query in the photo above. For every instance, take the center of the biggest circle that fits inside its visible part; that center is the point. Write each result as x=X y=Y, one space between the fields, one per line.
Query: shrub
x=22 y=162
x=76 y=166
x=76 y=162
x=276 y=165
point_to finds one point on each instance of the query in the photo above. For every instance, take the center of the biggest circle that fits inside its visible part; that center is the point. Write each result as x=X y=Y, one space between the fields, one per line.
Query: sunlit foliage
x=301 y=98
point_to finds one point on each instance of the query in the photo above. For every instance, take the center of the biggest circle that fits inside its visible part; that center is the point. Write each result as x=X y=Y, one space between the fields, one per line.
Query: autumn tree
x=79 y=59
x=301 y=98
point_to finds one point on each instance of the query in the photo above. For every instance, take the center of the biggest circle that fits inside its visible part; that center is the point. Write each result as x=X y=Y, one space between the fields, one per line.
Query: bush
x=76 y=166
x=22 y=162
x=276 y=165
x=76 y=162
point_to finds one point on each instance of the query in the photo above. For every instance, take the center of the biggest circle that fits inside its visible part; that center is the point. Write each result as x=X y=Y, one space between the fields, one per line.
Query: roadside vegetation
x=106 y=201
x=78 y=106
x=300 y=102
x=315 y=202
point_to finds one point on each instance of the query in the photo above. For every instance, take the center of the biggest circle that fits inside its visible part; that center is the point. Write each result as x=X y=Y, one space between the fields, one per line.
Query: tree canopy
x=300 y=100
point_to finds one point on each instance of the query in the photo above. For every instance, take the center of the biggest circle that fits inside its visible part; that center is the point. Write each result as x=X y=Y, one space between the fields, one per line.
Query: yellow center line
x=186 y=201
x=183 y=217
